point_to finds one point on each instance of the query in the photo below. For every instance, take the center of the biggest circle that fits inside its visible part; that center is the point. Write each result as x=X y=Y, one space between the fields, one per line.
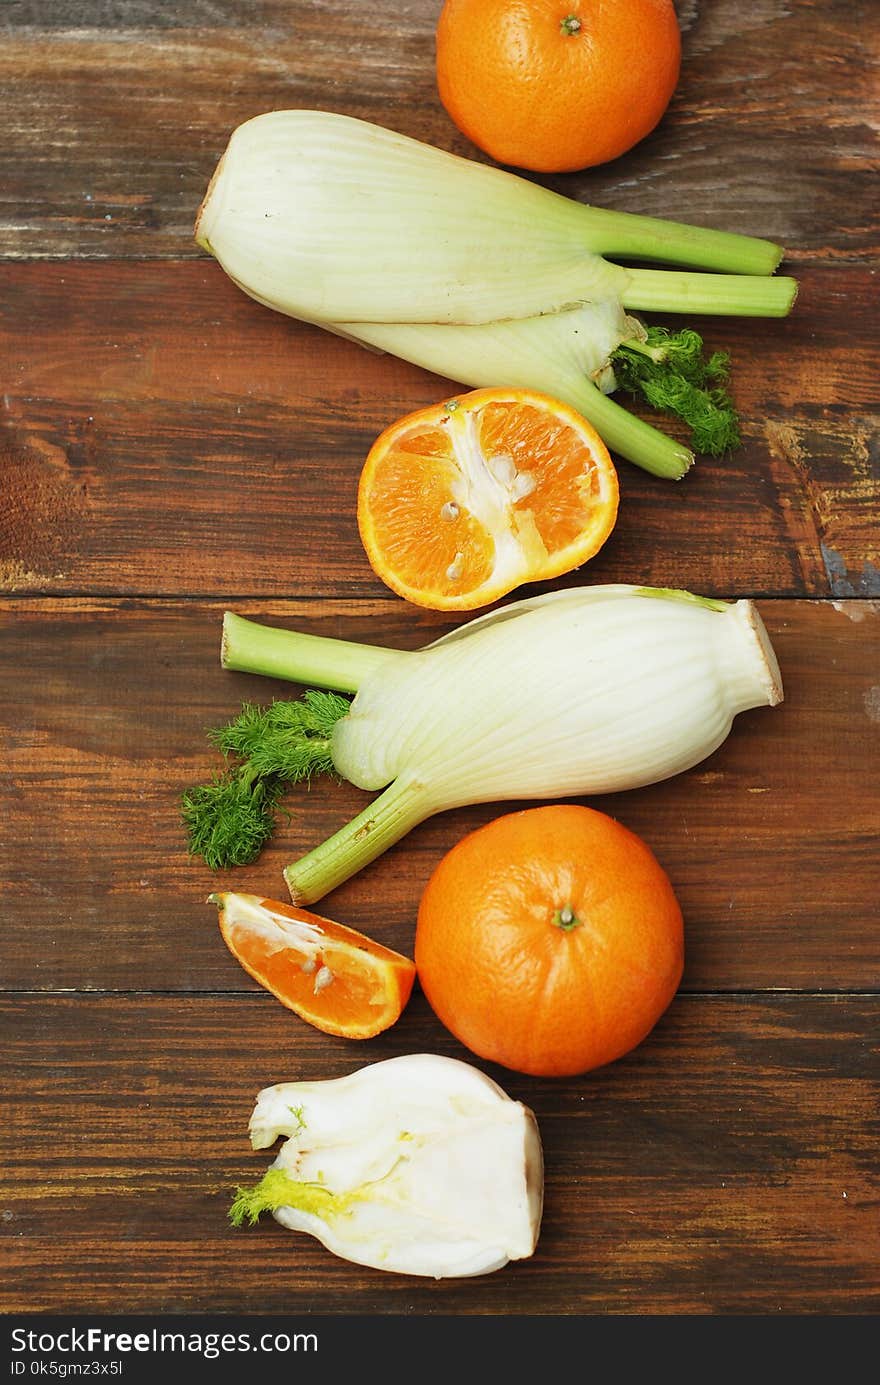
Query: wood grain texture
x=726 y=1166
x=770 y=843
x=168 y=448
x=114 y=115
x=163 y=434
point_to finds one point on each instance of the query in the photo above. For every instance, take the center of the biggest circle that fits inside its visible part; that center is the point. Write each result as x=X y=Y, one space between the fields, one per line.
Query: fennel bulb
x=584 y=691
x=415 y=251
x=418 y=1164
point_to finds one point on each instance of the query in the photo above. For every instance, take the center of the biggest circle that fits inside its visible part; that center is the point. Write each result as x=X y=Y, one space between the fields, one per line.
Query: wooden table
x=170 y=448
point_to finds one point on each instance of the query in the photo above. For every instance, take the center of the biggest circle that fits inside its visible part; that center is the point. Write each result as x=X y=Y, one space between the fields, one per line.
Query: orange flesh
x=460 y=503
x=410 y=487
x=367 y=985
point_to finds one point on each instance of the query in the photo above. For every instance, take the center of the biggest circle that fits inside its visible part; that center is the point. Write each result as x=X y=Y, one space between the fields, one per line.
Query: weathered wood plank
x=162 y=436
x=115 y=115
x=771 y=843
x=143 y=398
x=726 y=1166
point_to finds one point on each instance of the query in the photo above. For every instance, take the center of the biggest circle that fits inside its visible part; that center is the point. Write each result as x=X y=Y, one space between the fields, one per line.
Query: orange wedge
x=335 y=978
x=463 y=501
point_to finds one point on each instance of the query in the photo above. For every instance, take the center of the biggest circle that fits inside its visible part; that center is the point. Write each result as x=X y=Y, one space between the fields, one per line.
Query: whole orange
x=557 y=85
x=550 y=940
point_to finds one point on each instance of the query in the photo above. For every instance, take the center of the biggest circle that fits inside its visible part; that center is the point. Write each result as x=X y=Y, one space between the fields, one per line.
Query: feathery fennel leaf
x=671 y=372
x=277 y=1189
x=291 y=739
x=230 y=819
x=272 y=1191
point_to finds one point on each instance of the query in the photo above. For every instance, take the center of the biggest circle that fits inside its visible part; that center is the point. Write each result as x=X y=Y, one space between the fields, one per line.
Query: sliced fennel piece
x=419 y=1164
x=584 y=691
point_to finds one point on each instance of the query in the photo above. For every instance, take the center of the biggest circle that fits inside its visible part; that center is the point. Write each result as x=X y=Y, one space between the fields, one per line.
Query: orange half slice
x=337 y=979
x=463 y=501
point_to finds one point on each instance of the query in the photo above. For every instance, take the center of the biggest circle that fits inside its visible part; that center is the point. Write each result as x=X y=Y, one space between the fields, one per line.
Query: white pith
x=491 y=488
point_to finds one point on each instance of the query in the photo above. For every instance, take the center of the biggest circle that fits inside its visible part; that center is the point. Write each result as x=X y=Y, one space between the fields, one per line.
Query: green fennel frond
x=290 y=739
x=277 y=1189
x=248 y=1204
x=297 y=1113
x=230 y=819
x=671 y=372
